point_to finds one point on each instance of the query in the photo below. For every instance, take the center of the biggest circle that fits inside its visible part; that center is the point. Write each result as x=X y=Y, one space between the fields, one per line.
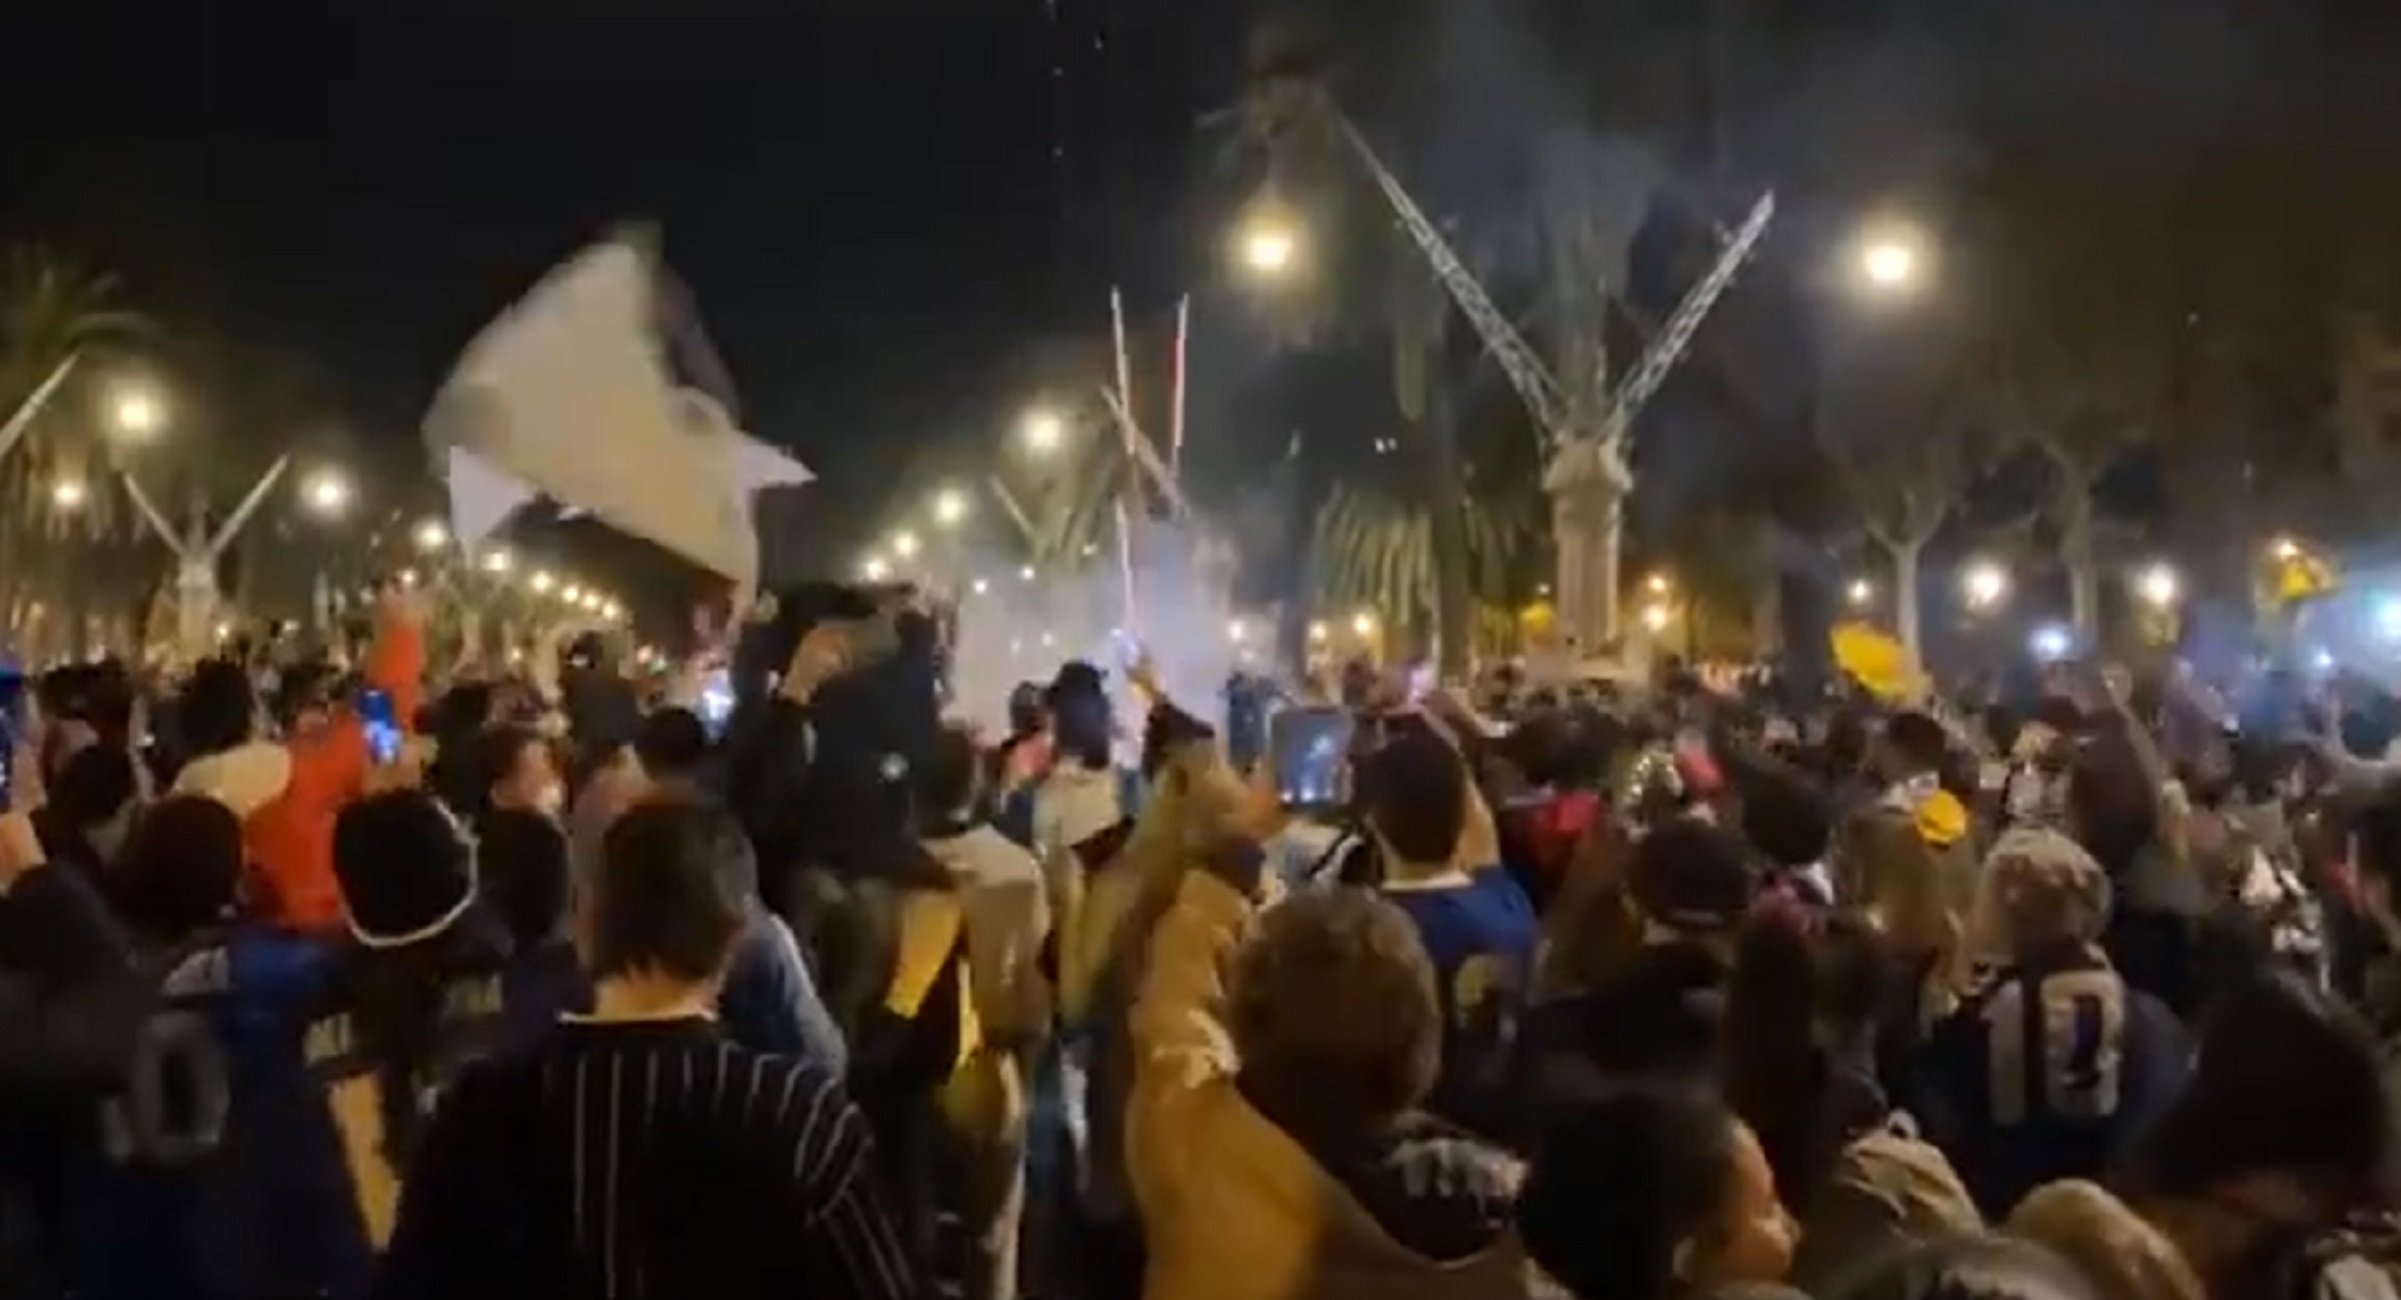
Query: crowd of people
x=1611 y=995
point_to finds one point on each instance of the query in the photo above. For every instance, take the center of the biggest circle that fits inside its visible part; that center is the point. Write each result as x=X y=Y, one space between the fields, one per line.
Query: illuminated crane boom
x=1517 y=360
x=1661 y=357
x=1585 y=470
x=1540 y=392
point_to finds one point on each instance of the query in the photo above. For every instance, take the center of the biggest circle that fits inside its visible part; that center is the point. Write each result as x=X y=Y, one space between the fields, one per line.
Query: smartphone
x=716 y=705
x=1311 y=750
x=384 y=733
x=12 y=728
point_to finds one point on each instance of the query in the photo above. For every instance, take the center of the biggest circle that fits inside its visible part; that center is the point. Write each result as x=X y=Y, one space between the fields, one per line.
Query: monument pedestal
x=1587 y=484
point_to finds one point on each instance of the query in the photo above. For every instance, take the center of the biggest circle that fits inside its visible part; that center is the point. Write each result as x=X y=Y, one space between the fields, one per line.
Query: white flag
x=481 y=497
x=570 y=394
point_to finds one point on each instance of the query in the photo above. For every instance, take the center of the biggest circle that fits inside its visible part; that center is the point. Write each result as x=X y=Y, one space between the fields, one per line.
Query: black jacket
x=71 y=1005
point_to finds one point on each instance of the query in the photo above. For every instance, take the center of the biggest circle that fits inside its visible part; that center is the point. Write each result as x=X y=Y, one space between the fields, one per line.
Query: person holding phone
x=288 y=788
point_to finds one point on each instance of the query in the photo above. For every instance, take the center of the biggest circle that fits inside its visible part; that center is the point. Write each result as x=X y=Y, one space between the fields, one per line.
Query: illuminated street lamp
x=1985 y=584
x=430 y=535
x=137 y=412
x=70 y=494
x=499 y=562
x=1658 y=584
x=874 y=569
x=1363 y=624
x=1025 y=573
x=1318 y=631
x=2159 y=586
x=327 y=493
x=542 y=582
x=1236 y=631
x=1861 y=593
x=904 y=545
x=950 y=507
x=1044 y=431
x=1891 y=260
x=572 y=594
x=1269 y=246
x=1655 y=618
x=1888 y=264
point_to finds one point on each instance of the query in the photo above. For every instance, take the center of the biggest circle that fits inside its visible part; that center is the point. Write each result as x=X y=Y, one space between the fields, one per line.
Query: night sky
x=878 y=203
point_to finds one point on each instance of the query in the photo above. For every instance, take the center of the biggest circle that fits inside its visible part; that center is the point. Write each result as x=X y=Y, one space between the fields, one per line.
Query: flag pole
x=1175 y=427
x=1129 y=500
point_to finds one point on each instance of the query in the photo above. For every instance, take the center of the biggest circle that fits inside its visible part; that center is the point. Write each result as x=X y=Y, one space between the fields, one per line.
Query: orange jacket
x=288 y=793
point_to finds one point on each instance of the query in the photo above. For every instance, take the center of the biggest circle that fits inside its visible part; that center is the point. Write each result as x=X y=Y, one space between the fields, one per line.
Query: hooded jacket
x=288 y=792
x=1234 y=1208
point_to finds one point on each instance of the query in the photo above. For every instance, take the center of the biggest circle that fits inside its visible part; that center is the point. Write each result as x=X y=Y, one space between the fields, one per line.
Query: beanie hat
x=406 y=868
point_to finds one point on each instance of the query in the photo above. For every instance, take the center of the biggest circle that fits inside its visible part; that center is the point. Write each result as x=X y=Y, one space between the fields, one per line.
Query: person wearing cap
x=1657 y=1016
x=318 y=1148
x=2050 y=1069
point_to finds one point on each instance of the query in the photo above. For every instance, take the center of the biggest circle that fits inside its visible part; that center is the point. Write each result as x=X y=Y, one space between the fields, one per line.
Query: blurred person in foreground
x=1275 y=1131
x=323 y=1134
x=2123 y=1257
x=1976 y=1267
x=71 y=1007
x=2055 y=1065
x=229 y=993
x=998 y=913
x=641 y=1152
x=2273 y=1169
x=1654 y=1192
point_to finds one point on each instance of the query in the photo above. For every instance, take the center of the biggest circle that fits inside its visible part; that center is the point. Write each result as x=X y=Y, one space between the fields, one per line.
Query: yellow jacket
x=1232 y=1208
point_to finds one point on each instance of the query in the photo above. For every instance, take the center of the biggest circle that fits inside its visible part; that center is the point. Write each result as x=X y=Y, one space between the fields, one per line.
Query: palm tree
x=1365 y=277
x=1381 y=550
x=52 y=484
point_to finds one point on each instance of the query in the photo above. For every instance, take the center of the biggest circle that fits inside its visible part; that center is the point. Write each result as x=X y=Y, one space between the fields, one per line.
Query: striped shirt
x=640 y=1159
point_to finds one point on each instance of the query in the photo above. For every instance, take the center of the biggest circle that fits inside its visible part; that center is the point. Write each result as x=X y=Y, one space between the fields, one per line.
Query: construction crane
x=1586 y=469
